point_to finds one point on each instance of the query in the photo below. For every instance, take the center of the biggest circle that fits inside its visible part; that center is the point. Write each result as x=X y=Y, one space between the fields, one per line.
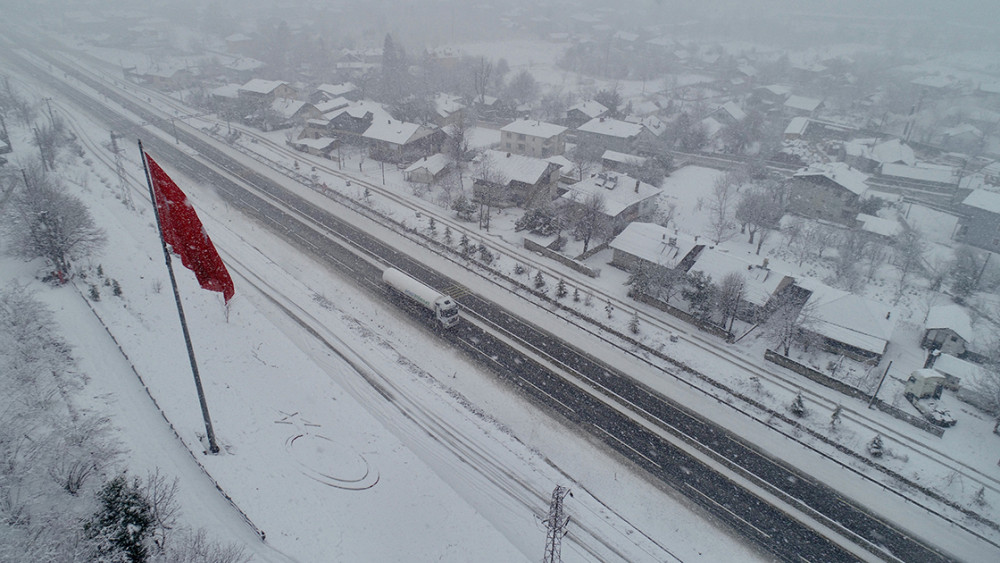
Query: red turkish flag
x=183 y=231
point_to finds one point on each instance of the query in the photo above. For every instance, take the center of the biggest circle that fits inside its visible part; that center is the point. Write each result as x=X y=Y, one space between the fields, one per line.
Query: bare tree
x=491 y=188
x=481 y=79
x=908 y=256
x=731 y=295
x=590 y=220
x=45 y=222
x=790 y=317
x=850 y=252
x=720 y=206
x=758 y=211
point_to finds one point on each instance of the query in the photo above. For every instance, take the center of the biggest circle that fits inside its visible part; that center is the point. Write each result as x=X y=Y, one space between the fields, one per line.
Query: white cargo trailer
x=443 y=307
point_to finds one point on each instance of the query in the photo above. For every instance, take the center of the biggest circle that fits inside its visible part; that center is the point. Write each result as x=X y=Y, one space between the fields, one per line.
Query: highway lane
x=619 y=433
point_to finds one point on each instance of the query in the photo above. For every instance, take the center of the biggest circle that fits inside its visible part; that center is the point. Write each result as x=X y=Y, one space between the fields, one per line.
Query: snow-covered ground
x=354 y=445
x=258 y=342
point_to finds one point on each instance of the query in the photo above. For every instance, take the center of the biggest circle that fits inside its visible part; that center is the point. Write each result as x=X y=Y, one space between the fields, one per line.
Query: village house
x=530 y=137
x=843 y=323
x=620 y=162
x=923 y=172
x=240 y=69
x=612 y=134
x=264 y=92
x=760 y=283
x=326 y=92
x=626 y=199
x=428 y=169
x=830 y=191
x=583 y=112
x=323 y=146
x=802 y=106
x=955 y=371
x=868 y=155
x=526 y=181
x=448 y=110
x=391 y=140
x=980 y=223
x=290 y=113
x=948 y=329
x=796 y=128
x=654 y=245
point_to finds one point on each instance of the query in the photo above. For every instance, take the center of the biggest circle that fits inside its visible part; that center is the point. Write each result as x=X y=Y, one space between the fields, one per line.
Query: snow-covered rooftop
x=953 y=317
x=851 y=179
x=924 y=172
x=611 y=128
x=619 y=191
x=968 y=373
x=337 y=90
x=433 y=164
x=534 y=128
x=652 y=243
x=848 y=318
x=395 y=132
x=797 y=126
x=261 y=86
x=287 y=108
x=983 y=199
x=734 y=111
x=879 y=226
x=516 y=167
x=231 y=91
x=623 y=158
x=590 y=108
x=891 y=151
x=759 y=283
x=333 y=105
x=802 y=103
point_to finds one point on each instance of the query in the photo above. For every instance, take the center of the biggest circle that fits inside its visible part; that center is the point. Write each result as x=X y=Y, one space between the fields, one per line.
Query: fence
x=841 y=387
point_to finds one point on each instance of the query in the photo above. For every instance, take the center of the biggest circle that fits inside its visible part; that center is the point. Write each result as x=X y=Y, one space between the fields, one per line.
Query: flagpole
x=210 y=432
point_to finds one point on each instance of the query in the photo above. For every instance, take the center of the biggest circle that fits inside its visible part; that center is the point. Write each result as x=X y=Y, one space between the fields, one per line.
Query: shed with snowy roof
x=626 y=199
x=948 y=328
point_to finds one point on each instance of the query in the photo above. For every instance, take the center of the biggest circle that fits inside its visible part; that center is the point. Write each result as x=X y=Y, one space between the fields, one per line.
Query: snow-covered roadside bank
x=257 y=381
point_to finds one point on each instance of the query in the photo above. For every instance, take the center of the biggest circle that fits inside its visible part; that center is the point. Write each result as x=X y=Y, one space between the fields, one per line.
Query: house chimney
x=637 y=186
x=508 y=155
x=764 y=265
x=602 y=120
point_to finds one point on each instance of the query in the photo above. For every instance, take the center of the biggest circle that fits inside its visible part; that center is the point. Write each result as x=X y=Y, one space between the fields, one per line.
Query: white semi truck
x=443 y=307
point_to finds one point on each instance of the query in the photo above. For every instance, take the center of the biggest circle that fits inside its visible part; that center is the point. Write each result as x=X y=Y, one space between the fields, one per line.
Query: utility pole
x=126 y=195
x=556 y=523
x=881 y=381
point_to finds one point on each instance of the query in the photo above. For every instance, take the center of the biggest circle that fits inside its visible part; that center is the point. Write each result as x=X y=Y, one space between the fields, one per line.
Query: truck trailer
x=443 y=307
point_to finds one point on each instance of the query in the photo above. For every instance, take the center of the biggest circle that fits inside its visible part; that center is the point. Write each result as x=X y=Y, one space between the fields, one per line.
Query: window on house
x=520 y=136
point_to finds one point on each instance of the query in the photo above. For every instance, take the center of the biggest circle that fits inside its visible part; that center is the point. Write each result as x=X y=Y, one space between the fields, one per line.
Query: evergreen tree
x=116 y=289
x=797 y=407
x=122 y=523
x=519 y=268
x=609 y=308
x=875 y=447
x=835 y=417
x=463 y=244
x=95 y=294
x=447 y=235
x=576 y=294
x=539 y=281
x=561 y=290
x=633 y=324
